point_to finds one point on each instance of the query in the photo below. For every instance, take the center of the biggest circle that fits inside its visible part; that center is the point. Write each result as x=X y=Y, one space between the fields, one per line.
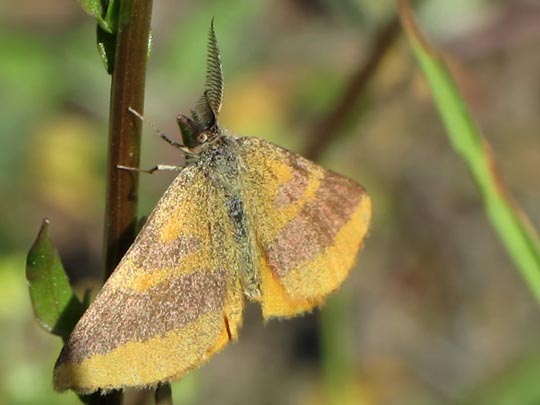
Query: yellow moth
x=244 y=219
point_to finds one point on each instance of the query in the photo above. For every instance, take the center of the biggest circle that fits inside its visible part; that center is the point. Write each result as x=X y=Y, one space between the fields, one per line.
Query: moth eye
x=202 y=137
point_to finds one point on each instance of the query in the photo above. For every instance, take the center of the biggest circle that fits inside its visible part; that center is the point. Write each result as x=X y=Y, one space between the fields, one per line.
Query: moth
x=243 y=220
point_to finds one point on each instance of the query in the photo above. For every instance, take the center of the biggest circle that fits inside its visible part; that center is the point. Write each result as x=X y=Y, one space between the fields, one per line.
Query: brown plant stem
x=163 y=394
x=325 y=131
x=127 y=90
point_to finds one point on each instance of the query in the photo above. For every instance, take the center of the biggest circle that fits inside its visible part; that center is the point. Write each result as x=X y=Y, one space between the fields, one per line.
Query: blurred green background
x=435 y=313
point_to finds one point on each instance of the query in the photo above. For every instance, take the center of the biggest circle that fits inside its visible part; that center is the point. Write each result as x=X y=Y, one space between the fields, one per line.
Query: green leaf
x=96 y=9
x=56 y=308
x=111 y=16
x=512 y=225
x=106 y=44
x=106 y=13
x=92 y=7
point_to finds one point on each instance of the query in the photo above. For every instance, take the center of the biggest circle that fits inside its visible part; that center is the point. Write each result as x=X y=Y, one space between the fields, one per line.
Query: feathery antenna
x=204 y=116
x=214 y=72
x=209 y=104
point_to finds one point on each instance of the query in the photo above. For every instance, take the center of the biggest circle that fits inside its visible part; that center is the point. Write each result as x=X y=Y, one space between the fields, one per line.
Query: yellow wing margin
x=171 y=303
x=310 y=225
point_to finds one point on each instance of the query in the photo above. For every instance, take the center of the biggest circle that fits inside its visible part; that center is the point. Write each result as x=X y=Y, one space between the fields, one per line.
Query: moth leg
x=152 y=170
x=163 y=136
x=227 y=327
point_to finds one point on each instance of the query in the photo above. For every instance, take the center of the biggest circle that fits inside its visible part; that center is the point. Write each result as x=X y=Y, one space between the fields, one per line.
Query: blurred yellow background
x=435 y=311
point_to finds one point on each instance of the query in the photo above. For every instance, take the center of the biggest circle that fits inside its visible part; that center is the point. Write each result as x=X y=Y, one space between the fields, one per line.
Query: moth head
x=202 y=127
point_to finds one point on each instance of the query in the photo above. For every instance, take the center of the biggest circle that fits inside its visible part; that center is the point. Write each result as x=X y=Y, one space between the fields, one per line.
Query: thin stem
x=163 y=394
x=337 y=370
x=127 y=90
x=325 y=131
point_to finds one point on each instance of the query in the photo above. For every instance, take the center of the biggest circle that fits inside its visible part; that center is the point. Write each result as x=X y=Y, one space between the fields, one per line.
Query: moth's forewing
x=170 y=304
x=310 y=225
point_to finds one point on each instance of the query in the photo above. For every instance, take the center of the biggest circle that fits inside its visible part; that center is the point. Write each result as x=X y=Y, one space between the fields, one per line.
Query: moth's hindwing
x=309 y=225
x=172 y=302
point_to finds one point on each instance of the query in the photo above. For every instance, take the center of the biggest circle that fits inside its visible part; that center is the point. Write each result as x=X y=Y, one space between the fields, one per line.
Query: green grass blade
x=337 y=363
x=56 y=308
x=514 y=229
x=515 y=383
